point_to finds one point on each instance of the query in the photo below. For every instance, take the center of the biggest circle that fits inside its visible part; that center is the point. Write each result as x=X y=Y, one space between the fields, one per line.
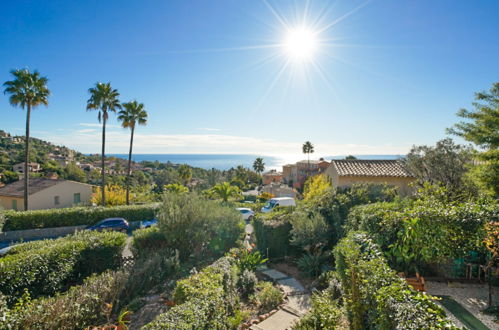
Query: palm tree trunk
x=26 y=157
x=129 y=169
x=103 y=171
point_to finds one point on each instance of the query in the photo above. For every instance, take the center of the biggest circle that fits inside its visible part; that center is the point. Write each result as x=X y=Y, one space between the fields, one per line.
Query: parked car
x=114 y=224
x=278 y=201
x=148 y=223
x=247 y=213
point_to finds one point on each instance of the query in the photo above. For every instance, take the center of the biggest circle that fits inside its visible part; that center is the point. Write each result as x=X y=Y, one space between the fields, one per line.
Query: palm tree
x=133 y=113
x=259 y=165
x=308 y=148
x=185 y=173
x=224 y=191
x=104 y=99
x=28 y=90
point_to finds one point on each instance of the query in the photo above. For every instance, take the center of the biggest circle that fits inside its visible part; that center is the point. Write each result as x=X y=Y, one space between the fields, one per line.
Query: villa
x=45 y=194
x=346 y=172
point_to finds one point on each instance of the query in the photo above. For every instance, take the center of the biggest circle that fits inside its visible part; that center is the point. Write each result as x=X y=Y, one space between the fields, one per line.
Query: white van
x=279 y=201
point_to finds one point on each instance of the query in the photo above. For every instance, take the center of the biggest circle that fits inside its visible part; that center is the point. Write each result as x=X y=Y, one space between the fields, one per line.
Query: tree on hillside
x=259 y=165
x=444 y=164
x=104 y=99
x=132 y=113
x=73 y=172
x=308 y=148
x=28 y=90
x=224 y=191
x=185 y=173
x=482 y=128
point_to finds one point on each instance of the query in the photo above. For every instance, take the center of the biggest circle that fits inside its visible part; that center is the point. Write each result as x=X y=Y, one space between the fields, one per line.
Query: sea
x=227 y=161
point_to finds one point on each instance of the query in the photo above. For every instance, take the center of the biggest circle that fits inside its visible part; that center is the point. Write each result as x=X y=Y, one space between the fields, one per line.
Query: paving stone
x=290 y=286
x=279 y=321
x=298 y=304
x=274 y=274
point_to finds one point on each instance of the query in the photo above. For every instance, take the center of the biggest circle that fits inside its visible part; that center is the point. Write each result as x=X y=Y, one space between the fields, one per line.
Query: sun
x=300 y=44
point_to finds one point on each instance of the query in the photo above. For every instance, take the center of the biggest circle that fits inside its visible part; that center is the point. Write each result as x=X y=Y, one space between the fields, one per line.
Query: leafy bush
x=148 y=240
x=81 y=306
x=325 y=314
x=273 y=234
x=75 y=216
x=247 y=283
x=268 y=296
x=147 y=273
x=247 y=260
x=312 y=263
x=375 y=296
x=205 y=300
x=309 y=232
x=49 y=266
x=334 y=206
x=196 y=226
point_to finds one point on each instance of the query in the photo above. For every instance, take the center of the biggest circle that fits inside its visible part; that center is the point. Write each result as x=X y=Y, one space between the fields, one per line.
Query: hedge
x=80 y=307
x=148 y=240
x=50 y=266
x=204 y=300
x=75 y=216
x=273 y=237
x=375 y=297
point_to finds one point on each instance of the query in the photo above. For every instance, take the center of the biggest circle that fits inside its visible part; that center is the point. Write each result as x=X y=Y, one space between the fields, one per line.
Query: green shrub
x=273 y=235
x=247 y=260
x=312 y=263
x=78 y=308
x=268 y=296
x=309 y=232
x=325 y=314
x=75 y=216
x=380 y=220
x=147 y=273
x=247 y=283
x=375 y=297
x=49 y=266
x=148 y=240
x=197 y=226
x=205 y=300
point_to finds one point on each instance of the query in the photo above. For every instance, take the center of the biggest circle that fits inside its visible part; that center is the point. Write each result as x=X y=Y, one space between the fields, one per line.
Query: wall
x=402 y=183
x=6 y=202
x=45 y=199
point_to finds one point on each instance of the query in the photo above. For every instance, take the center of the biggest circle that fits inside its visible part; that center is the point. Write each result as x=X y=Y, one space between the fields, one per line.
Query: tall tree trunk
x=129 y=168
x=103 y=171
x=26 y=157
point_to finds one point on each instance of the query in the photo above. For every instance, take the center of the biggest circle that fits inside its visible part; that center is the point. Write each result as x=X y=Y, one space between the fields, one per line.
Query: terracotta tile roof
x=16 y=189
x=362 y=167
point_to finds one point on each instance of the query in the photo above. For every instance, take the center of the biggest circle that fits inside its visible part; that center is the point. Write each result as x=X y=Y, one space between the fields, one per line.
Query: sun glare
x=300 y=44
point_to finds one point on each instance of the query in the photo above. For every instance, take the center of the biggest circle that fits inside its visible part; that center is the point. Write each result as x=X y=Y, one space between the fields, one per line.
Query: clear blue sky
x=388 y=73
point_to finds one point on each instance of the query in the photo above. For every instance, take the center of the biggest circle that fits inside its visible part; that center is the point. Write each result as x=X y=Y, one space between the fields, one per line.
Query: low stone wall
x=33 y=234
x=29 y=234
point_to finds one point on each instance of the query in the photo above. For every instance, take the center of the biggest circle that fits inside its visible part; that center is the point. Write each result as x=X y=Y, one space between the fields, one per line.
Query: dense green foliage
x=375 y=297
x=75 y=216
x=147 y=240
x=205 y=300
x=197 y=226
x=325 y=314
x=50 y=266
x=482 y=128
x=273 y=234
x=81 y=306
x=445 y=164
x=269 y=297
x=431 y=228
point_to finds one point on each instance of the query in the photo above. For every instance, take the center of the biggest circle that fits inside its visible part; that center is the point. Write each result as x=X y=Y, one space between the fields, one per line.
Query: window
x=14 y=204
x=56 y=200
x=77 y=198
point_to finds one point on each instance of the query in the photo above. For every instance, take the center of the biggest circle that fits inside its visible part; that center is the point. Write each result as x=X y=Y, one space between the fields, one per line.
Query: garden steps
x=297 y=305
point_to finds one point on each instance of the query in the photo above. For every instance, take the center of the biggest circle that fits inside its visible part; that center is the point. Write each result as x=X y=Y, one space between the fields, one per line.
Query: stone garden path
x=297 y=305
